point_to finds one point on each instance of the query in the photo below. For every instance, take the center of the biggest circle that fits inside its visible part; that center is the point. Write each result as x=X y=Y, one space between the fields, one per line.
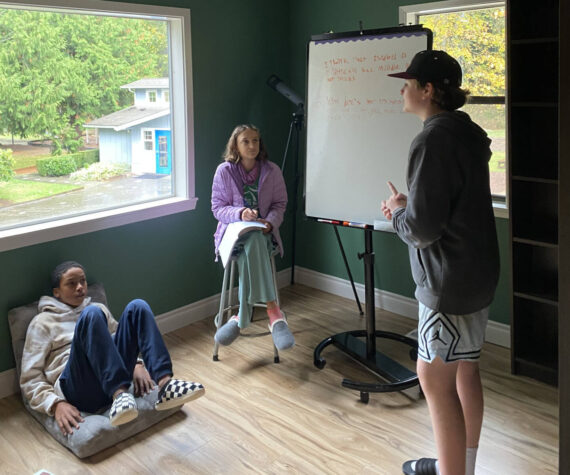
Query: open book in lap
x=233 y=232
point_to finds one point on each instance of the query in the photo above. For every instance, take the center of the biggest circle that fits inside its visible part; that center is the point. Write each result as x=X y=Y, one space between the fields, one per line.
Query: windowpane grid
x=87 y=76
x=476 y=38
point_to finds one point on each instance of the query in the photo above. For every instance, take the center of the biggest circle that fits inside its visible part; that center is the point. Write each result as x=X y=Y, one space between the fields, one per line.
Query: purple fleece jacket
x=227 y=198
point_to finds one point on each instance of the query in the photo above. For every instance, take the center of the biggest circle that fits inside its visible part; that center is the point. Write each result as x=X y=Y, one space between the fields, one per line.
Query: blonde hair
x=231 y=153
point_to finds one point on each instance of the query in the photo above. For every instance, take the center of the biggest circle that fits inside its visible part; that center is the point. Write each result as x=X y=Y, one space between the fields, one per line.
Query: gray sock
x=227 y=333
x=282 y=336
x=470 y=459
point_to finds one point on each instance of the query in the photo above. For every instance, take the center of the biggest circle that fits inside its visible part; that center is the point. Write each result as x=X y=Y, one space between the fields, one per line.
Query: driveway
x=93 y=196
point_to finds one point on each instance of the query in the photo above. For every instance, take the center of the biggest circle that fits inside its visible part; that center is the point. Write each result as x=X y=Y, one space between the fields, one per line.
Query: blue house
x=139 y=136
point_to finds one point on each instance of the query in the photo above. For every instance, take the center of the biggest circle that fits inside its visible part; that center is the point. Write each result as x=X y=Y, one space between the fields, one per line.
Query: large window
x=474 y=33
x=89 y=138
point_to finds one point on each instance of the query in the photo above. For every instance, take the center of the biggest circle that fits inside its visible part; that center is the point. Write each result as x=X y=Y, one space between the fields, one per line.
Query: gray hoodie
x=448 y=222
x=47 y=348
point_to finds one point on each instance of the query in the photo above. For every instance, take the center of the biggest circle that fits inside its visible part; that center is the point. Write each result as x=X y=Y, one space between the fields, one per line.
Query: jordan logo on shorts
x=437 y=337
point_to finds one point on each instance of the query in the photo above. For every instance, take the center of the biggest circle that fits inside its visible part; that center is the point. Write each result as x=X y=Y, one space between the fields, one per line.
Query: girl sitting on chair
x=248 y=187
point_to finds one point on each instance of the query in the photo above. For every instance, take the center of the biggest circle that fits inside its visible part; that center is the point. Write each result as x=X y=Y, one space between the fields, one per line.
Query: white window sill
x=500 y=210
x=63 y=228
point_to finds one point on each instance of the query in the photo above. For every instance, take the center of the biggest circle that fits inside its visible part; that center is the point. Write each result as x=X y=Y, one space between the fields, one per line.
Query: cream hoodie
x=47 y=348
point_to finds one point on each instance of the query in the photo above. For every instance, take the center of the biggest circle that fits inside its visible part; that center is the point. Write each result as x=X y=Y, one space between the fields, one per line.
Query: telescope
x=275 y=83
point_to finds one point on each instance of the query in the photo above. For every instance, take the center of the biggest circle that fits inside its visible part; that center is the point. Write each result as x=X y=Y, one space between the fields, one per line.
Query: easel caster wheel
x=320 y=364
x=414 y=354
x=215 y=358
x=364 y=397
x=276 y=359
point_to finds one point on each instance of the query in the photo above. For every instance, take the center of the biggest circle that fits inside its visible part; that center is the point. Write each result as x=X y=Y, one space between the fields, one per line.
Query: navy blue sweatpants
x=100 y=363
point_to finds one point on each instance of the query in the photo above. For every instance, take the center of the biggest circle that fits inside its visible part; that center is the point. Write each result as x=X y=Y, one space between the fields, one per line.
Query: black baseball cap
x=433 y=66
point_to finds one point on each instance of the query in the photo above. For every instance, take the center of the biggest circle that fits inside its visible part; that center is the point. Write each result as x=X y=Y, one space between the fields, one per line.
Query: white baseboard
x=208 y=307
x=497 y=333
x=8 y=383
x=167 y=322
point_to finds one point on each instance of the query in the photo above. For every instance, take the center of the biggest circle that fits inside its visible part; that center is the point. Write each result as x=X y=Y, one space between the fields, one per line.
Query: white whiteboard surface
x=358 y=137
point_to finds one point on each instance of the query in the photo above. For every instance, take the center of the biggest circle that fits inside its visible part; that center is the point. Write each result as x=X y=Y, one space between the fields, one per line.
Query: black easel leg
x=361 y=344
x=296 y=125
x=369 y=292
x=295 y=188
x=348 y=270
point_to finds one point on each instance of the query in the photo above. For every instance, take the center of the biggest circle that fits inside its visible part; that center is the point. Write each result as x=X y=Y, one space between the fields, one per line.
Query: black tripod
x=296 y=125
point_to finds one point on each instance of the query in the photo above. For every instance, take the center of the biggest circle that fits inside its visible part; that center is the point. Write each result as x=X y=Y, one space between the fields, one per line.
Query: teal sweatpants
x=255 y=276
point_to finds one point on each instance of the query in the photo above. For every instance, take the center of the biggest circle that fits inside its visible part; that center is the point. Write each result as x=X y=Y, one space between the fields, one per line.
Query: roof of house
x=147 y=83
x=129 y=117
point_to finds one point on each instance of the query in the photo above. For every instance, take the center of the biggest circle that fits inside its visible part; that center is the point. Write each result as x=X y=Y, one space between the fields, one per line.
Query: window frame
x=152 y=96
x=409 y=15
x=182 y=127
x=145 y=141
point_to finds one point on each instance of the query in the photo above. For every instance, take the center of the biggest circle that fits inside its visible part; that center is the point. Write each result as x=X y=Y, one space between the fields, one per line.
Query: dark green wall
x=317 y=247
x=169 y=261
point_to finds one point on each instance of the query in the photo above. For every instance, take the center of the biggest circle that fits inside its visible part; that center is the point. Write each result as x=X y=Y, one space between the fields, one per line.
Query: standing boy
x=77 y=358
x=448 y=223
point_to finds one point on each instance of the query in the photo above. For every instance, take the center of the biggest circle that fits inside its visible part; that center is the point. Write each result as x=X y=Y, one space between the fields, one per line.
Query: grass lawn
x=497 y=162
x=24 y=162
x=496 y=133
x=20 y=191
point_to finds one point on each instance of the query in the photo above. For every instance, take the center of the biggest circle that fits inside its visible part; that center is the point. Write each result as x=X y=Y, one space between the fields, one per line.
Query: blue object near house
x=139 y=136
x=163 y=151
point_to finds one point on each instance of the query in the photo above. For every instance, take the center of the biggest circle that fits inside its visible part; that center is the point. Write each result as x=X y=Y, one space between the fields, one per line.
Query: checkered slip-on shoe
x=177 y=392
x=123 y=410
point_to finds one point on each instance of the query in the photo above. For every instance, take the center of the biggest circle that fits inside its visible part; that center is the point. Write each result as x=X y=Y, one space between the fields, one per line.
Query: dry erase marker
x=329 y=221
x=357 y=225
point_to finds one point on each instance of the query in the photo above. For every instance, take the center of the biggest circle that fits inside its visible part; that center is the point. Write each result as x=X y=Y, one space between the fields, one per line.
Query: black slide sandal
x=424 y=466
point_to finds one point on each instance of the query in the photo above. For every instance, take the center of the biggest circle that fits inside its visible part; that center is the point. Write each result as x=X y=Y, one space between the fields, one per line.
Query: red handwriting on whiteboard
x=385 y=57
x=335 y=62
x=351 y=101
x=390 y=67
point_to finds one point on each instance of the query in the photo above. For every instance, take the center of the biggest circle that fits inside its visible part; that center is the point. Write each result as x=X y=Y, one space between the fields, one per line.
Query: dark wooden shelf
x=545 y=299
x=529 y=19
x=536 y=67
x=516 y=104
x=542 y=372
x=534 y=191
x=534 y=179
x=526 y=41
x=544 y=242
x=535 y=271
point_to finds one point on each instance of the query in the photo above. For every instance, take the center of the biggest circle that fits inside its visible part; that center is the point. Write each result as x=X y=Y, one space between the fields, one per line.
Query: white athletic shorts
x=451 y=337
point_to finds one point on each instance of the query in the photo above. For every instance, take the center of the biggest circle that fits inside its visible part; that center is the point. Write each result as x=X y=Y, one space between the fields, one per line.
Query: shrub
x=85 y=158
x=6 y=165
x=56 y=166
x=99 y=172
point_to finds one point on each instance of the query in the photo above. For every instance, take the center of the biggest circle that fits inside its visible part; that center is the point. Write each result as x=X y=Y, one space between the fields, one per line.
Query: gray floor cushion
x=96 y=433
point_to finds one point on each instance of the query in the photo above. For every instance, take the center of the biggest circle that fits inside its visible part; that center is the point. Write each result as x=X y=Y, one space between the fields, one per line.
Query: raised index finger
x=392 y=188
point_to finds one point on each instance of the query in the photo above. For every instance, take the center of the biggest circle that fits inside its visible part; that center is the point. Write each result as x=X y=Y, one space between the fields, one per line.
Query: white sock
x=436 y=466
x=470 y=459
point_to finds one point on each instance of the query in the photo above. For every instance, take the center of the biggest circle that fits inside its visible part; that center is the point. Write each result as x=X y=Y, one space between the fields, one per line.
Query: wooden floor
x=261 y=417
